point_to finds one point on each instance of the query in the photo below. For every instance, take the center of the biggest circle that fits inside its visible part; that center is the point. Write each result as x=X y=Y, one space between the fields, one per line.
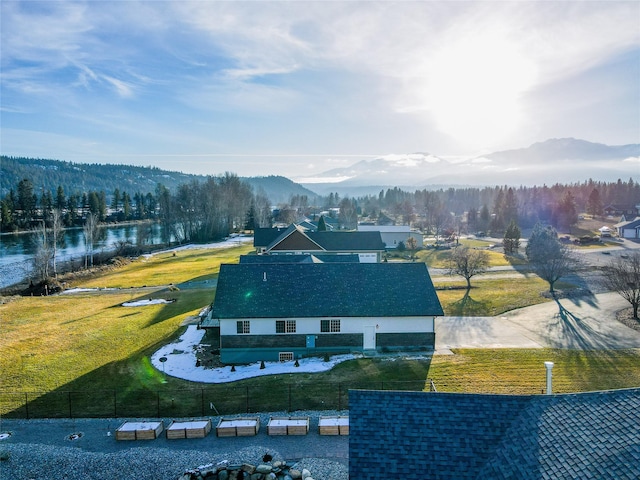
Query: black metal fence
x=210 y=400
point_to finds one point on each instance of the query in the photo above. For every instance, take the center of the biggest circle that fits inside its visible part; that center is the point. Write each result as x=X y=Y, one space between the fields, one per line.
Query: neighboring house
x=296 y=240
x=629 y=211
x=392 y=235
x=467 y=437
x=283 y=311
x=629 y=229
x=299 y=258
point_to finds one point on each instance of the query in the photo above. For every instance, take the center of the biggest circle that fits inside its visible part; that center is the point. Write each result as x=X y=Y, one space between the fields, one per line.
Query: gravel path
x=42 y=449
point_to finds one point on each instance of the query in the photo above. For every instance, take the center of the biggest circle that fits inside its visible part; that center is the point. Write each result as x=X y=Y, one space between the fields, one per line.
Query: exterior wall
x=630 y=233
x=392 y=235
x=262 y=343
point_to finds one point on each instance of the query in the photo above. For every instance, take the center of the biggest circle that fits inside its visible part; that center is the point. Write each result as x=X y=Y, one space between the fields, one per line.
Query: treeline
x=493 y=208
x=489 y=209
x=196 y=211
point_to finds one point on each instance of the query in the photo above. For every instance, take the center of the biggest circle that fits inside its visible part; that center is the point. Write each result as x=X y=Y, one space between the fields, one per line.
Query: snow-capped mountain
x=565 y=160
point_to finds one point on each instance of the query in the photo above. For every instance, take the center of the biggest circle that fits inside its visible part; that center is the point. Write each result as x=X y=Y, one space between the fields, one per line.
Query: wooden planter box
x=193 y=429
x=334 y=425
x=288 y=426
x=238 y=427
x=139 y=430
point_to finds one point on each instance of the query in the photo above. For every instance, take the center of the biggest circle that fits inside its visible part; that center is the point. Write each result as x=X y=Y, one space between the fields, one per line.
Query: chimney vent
x=549 y=367
x=264 y=277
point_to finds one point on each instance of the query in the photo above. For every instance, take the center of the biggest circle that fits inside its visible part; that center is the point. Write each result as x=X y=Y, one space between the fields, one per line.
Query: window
x=329 y=326
x=243 y=326
x=285 y=356
x=285 y=326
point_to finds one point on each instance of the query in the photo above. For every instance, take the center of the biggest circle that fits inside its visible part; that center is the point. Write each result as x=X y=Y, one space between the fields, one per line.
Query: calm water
x=16 y=250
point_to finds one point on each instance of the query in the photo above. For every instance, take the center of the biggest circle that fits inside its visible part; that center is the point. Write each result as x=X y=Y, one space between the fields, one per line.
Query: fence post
x=26 y=404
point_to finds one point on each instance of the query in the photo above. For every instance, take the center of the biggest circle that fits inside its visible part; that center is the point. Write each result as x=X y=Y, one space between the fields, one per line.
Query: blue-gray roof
x=281 y=290
x=461 y=436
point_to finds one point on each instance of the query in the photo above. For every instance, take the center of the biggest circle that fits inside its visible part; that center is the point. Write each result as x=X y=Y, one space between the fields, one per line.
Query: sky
x=298 y=88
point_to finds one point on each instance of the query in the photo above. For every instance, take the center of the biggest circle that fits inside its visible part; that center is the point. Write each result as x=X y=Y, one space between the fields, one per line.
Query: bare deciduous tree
x=42 y=255
x=90 y=230
x=550 y=259
x=468 y=262
x=57 y=228
x=622 y=275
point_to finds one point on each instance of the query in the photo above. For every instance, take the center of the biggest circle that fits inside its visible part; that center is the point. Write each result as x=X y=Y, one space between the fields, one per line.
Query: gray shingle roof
x=325 y=289
x=458 y=436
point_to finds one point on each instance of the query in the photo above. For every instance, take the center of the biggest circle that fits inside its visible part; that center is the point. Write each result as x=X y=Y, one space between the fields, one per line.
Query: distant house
x=628 y=211
x=392 y=235
x=468 y=437
x=305 y=258
x=630 y=229
x=283 y=311
x=297 y=240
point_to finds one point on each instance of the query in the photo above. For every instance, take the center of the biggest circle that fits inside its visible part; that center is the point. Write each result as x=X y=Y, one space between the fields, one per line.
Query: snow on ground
x=228 y=242
x=80 y=290
x=181 y=363
x=144 y=303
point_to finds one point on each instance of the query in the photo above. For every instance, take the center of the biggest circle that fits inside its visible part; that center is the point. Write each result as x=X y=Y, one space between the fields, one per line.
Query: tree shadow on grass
x=466 y=306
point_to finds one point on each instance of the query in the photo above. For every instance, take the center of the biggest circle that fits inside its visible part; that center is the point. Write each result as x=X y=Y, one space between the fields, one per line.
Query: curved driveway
x=586 y=323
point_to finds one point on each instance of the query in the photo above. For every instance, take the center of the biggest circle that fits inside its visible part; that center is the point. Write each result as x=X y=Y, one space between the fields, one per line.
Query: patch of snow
x=144 y=303
x=81 y=290
x=229 y=242
x=183 y=365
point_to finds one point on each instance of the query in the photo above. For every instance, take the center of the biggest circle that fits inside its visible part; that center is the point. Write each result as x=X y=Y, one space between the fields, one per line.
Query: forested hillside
x=77 y=178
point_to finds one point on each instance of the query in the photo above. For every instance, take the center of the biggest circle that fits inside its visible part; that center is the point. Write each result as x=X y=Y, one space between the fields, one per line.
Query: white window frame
x=244 y=326
x=334 y=325
x=285 y=356
x=289 y=326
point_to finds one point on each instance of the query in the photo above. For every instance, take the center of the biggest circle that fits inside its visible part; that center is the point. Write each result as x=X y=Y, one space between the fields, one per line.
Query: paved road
x=587 y=323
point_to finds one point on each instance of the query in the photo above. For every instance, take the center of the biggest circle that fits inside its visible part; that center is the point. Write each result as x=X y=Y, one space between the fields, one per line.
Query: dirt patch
x=626 y=317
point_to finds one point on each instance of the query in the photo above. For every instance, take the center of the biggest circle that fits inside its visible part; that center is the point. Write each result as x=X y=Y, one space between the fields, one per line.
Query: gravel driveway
x=41 y=449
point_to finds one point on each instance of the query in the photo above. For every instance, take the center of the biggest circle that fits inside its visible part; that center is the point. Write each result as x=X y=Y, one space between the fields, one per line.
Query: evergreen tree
x=594 y=204
x=322 y=225
x=511 y=240
x=61 y=201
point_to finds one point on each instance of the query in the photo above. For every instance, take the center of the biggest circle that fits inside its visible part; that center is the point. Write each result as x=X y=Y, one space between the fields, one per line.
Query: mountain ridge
x=47 y=174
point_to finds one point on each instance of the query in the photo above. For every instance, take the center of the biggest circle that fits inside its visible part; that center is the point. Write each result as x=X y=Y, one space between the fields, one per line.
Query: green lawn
x=522 y=371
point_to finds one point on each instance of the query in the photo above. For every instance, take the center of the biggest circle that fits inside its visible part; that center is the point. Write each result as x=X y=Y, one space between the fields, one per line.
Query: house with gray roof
x=297 y=240
x=451 y=436
x=628 y=229
x=283 y=311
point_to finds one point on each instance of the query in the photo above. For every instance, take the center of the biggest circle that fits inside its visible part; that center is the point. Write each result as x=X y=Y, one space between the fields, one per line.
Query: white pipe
x=549 y=367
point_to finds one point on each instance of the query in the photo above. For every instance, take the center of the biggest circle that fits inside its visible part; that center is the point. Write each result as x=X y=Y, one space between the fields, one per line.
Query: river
x=17 y=249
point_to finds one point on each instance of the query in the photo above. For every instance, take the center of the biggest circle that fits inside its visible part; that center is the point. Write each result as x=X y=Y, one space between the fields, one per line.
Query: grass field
x=86 y=355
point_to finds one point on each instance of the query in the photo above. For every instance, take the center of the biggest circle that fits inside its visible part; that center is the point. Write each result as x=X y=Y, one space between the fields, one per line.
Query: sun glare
x=474 y=87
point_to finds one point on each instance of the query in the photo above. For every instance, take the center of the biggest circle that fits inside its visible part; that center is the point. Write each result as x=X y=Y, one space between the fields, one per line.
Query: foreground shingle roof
x=460 y=436
x=325 y=289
